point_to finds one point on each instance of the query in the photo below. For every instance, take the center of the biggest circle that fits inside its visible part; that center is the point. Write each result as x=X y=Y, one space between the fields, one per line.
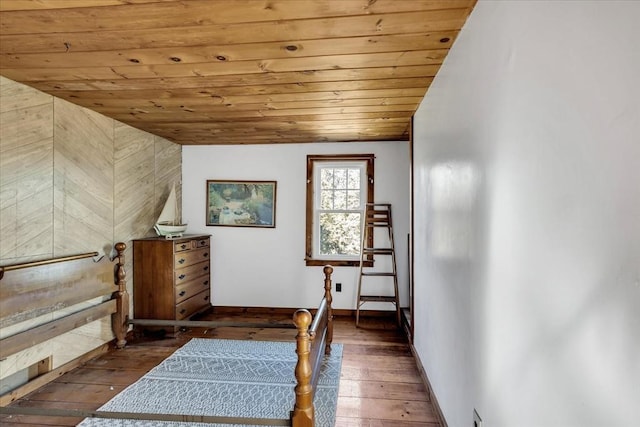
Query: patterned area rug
x=253 y=379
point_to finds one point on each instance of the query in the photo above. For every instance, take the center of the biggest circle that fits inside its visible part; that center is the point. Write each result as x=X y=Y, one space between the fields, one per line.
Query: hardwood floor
x=380 y=385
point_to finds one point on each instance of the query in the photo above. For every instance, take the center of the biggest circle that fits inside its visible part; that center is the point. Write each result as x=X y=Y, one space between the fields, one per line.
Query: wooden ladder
x=377 y=215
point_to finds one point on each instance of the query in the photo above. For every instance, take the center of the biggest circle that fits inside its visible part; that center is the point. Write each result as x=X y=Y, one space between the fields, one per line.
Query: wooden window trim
x=311 y=160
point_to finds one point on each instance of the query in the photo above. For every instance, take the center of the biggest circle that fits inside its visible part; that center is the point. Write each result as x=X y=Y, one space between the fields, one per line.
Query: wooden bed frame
x=33 y=289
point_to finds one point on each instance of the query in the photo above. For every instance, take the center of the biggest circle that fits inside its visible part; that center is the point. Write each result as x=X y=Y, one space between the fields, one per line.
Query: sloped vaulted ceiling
x=236 y=71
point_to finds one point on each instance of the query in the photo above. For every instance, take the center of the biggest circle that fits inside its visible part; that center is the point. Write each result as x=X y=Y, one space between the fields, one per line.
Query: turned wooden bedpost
x=119 y=320
x=302 y=415
x=328 y=270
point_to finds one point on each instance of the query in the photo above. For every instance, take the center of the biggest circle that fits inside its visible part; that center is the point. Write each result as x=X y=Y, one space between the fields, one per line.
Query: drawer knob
x=206 y=298
x=206 y=267
x=206 y=254
x=183 y=246
x=203 y=242
x=205 y=283
x=183 y=311
x=182 y=276
x=181 y=261
x=182 y=293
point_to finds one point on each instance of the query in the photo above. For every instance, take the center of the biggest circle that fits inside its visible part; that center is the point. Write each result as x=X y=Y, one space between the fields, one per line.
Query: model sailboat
x=168 y=224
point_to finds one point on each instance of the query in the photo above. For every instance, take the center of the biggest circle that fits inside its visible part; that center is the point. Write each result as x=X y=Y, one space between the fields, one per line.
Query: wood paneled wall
x=72 y=181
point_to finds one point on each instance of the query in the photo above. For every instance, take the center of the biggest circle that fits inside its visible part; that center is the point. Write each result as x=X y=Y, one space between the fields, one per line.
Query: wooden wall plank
x=168 y=167
x=83 y=181
x=134 y=182
x=26 y=172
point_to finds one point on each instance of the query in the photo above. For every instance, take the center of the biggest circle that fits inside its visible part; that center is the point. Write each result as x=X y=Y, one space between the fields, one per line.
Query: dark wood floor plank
x=47 y=420
x=72 y=392
x=114 y=377
x=368 y=422
x=404 y=362
x=365 y=373
x=384 y=409
x=383 y=390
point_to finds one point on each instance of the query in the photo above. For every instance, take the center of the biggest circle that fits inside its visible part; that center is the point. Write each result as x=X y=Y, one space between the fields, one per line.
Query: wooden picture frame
x=241 y=203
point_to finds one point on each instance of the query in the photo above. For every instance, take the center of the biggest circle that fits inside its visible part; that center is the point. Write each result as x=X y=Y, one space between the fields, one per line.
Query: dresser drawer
x=201 y=243
x=191 y=244
x=190 y=272
x=192 y=305
x=187 y=258
x=191 y=288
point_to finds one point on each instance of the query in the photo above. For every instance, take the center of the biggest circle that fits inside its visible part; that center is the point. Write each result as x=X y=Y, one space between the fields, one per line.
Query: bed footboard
x=313 y=341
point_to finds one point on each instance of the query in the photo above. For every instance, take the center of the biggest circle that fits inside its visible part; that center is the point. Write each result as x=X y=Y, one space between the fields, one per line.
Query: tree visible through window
x=338 y=187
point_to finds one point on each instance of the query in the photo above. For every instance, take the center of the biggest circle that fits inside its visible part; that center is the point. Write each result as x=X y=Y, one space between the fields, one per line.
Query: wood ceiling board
x=203 y=83
x=220 y=109
x=299 y=90
x=216 y=35
x=191 y=119
x=151 y=114
x=275 y=71
x=6 y=5
x=233 y=52
x=198 y=13
x=217 y=68
x=301 y=100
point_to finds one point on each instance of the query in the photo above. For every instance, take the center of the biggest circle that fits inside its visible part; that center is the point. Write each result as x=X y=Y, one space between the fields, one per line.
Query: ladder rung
x=378 y=251
x=378 y=298
x=378 y=274
x=370 y=218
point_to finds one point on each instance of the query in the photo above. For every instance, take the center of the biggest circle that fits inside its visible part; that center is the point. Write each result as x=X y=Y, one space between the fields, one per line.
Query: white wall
x=527 y=168
x=265 y=267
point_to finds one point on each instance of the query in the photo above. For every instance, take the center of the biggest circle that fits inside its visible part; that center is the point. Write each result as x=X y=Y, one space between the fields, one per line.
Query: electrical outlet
x=338 y=287
x=477 y=421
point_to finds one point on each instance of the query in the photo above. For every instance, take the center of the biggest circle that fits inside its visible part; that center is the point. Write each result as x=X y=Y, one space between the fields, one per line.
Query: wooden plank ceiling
x=236 y=71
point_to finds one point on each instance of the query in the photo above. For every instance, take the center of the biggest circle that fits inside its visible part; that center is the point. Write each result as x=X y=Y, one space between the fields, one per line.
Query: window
x=338 y=187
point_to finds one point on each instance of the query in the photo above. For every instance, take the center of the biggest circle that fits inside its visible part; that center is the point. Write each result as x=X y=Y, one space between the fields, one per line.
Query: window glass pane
x=340 y=178
x=339 y=233
x=326 y=178
x=354 y=178
x=326 y=199
x=340 y=199
x=353 y=199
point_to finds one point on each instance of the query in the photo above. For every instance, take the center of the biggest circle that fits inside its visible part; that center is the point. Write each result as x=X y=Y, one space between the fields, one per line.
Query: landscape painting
x=241 y=203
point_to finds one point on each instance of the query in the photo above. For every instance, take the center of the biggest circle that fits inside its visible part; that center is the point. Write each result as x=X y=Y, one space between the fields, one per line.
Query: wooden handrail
x=19 y=266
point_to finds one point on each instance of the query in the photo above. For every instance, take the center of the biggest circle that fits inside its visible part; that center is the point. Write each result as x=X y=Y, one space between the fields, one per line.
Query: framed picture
x=241 y=203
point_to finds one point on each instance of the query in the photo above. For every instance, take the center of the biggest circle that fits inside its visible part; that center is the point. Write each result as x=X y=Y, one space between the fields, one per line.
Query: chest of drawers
x=171 y=278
